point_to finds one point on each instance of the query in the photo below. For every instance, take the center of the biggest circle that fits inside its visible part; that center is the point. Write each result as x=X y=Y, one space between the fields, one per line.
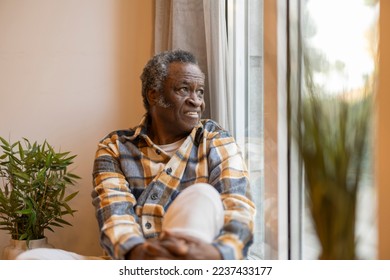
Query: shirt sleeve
x=228 y=174
x=114 y=203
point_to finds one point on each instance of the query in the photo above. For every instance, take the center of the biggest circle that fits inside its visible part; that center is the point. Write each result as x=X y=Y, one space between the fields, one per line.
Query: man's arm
x=114 y=203
x=228 y=174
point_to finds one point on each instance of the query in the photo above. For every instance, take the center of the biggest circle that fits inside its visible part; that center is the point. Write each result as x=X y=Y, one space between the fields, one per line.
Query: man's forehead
x=185 y=71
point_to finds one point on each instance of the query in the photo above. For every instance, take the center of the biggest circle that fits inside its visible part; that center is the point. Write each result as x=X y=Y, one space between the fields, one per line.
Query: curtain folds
x=199 y=26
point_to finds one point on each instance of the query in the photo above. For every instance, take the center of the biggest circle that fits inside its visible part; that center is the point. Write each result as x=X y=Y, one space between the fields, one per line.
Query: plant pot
x=17 y=247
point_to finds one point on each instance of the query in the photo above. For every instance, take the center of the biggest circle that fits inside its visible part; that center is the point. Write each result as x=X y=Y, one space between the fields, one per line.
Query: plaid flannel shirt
x=135 y=182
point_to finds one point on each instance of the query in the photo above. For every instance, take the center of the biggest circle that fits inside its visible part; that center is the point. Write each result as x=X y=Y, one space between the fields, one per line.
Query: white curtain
x=218 y=64
x=199 y=26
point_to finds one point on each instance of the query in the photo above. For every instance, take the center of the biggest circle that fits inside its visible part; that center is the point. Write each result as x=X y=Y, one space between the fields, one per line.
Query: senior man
x=175 y=186
x=173 y=154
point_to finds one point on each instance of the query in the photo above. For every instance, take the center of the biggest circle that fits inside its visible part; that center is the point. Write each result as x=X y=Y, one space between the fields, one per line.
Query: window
x=284 y=229
x=244 y=20
x=246 y=54
x=342 y=56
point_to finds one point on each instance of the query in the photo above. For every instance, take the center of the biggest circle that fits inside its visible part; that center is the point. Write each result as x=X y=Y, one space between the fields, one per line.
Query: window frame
x=272 y=211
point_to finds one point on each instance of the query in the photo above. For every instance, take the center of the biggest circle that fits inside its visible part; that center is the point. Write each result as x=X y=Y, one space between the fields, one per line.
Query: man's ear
x=152 y=96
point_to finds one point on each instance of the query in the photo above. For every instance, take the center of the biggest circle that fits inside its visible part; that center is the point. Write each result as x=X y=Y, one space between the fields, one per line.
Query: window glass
x=339 y=53
x=246 y=56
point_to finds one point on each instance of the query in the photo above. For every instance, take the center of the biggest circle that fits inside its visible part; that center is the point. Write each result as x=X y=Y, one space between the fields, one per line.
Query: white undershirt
x=171 y=148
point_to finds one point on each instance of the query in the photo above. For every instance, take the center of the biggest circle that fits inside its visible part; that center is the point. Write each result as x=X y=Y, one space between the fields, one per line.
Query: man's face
x=181 y=101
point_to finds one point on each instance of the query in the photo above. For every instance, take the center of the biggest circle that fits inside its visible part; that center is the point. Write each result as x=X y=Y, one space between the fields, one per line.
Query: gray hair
x=156 y=70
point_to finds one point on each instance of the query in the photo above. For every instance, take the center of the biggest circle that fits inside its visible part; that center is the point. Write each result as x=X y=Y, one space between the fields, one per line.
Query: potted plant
x=34 y=196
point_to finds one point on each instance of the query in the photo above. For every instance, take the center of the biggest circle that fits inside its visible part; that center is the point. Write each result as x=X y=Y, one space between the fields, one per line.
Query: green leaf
x=70 y=158
x=73 y=176
x=49 y=228
x=6 y=148
x=41 y=173
x=71 y=196
x=69 y=210
x=4 y=141
x=60 y=155
x=13 y=158
x=27 y=142
x=21 y=152
x=68 y=180
x=24 y=236
x=22 y=175
x=49 y=160
x=56 y=224
x=63 y=221
x=24 y=212
x=14 y=144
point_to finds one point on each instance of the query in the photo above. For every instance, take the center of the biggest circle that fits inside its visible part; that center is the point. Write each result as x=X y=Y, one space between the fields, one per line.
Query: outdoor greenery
x=333 y=141
x=34 y=183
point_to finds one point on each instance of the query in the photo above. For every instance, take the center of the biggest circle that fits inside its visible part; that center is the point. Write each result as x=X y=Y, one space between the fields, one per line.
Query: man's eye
x=200 y=92
x=183 y=89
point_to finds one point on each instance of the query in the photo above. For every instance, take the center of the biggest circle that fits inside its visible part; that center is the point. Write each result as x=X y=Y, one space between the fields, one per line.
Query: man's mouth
x=192 y=114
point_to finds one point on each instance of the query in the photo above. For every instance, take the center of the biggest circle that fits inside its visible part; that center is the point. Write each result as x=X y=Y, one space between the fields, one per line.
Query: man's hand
x=150 y=250
x=171 y=246
x=187 y=247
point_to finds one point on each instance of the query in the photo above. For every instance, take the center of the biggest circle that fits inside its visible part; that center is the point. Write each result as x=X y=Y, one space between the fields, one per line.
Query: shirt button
x=148 y=225
x=169 y=170
x=154 y=196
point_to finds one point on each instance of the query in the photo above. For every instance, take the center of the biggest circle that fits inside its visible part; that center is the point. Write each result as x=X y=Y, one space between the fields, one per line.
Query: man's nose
x=194 y=99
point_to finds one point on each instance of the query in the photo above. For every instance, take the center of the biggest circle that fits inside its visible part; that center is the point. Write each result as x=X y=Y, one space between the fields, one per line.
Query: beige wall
x=383 y=146
x=69 y=73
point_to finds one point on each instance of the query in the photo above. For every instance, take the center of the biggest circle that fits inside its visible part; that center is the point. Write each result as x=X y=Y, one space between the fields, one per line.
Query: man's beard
x=163 y=103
